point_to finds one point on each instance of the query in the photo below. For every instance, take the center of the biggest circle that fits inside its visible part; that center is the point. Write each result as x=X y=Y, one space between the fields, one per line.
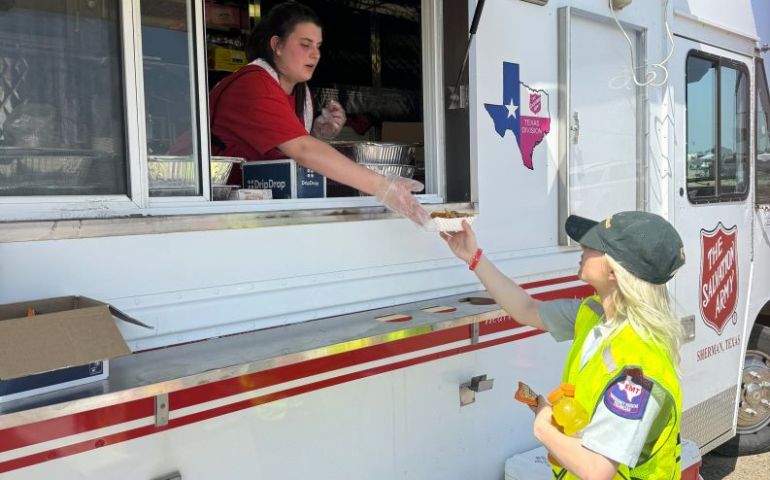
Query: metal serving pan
x=377 y=152
x=181 y=171
x=406 y=171
x=70 y=171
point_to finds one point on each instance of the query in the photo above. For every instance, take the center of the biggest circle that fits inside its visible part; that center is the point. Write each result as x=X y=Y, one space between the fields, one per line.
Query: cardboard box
x=285 y=178
x=226 y=59
x=67 y=342
x=226 y=16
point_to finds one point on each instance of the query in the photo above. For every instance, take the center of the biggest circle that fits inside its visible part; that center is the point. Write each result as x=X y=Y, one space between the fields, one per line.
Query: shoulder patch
x=628 y=393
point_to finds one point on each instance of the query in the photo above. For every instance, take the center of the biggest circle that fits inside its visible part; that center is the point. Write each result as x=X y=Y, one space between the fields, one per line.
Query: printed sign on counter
x=285 y=178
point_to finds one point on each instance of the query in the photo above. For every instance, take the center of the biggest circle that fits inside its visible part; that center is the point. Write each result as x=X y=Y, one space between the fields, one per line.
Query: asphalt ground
x=741 y=468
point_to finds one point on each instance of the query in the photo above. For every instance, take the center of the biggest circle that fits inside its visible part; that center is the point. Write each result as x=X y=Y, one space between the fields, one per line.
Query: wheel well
x=763 y=318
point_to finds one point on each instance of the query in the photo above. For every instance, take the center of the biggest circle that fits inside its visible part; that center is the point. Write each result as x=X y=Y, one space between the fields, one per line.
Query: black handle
x=474 y=27
x=477 y=16
x=127 y=318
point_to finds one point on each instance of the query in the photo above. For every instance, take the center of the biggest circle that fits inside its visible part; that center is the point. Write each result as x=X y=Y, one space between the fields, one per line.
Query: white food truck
x=327 y=337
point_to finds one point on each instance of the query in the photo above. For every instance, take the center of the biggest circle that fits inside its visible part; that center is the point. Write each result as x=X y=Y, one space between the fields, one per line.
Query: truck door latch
x=457 y=98
x=574 y=128
x=468 y=391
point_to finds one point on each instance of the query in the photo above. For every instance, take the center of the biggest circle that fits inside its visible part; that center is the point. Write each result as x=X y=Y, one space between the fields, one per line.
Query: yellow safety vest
x=624 y=349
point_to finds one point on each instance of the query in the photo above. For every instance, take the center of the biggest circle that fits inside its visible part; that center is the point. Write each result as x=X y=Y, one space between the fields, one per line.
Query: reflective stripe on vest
x=624 y=348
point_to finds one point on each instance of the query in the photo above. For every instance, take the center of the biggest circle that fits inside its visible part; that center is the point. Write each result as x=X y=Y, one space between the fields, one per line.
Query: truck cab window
x=717 y=129
x=734 y=131
x=701 y=127
x=55 y=143
x=762 y=170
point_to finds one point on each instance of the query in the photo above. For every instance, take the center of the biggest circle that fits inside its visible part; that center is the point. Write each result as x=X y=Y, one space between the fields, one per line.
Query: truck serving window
x=104 y=106
x=717 y=129
x=371 y=63
x=62 y=126
x=762 y=170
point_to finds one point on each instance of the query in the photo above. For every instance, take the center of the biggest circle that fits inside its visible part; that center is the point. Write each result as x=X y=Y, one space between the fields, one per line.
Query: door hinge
x=457 y=98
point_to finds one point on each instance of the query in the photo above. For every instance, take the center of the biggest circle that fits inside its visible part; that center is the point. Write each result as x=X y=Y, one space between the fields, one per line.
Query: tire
x=751 y=440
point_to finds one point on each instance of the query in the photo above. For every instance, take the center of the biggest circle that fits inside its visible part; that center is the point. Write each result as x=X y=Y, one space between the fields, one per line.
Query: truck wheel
x=753 y=434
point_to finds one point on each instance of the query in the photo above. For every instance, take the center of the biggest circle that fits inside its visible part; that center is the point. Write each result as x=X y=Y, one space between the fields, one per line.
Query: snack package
x=525 y=395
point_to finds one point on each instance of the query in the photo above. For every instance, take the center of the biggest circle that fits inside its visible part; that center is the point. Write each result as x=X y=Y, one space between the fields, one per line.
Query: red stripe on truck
x=115 y=438
x=78 y=423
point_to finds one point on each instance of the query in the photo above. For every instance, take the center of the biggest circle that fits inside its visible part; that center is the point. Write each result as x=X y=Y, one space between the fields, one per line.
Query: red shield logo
x=718 y=276
x=534 y=102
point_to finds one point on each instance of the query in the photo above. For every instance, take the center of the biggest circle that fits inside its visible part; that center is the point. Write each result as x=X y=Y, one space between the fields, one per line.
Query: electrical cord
x=651 y=76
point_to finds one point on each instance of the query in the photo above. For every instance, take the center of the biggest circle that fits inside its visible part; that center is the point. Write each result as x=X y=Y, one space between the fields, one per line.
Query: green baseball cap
x=645 y=244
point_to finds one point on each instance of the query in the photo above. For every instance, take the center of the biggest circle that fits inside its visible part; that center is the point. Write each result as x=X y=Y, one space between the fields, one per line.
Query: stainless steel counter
x=26 y=231
x=156 y=372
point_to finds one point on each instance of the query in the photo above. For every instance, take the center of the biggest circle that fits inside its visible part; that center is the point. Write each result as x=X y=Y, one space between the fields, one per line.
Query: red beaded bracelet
x=475 y=260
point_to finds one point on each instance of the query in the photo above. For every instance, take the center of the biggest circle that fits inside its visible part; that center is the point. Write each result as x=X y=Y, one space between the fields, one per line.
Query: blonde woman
x=624 y=357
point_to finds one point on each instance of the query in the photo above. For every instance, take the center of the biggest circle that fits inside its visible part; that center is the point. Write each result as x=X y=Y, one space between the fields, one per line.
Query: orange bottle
x=568 y=415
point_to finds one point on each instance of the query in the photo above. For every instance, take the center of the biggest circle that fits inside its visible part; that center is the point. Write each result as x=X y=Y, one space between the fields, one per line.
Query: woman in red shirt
x=264 y=111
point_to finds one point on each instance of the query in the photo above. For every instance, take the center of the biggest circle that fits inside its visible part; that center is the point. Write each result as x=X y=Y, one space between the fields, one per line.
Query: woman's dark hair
x=280 y=21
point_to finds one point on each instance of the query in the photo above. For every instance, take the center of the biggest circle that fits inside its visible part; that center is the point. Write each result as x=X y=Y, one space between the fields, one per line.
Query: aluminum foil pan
x=377 y=152
x=71 y=167
x=171 y=172
x=221 y=167
x=25 y=170
x=406 y=171
x=181 y=171
x=173 y=191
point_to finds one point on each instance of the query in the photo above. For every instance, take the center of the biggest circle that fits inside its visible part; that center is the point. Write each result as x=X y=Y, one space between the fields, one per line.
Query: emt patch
x=628 y=393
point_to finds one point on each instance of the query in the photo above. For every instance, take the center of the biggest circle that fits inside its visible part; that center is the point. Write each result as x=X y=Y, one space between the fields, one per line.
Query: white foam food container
x=453 y=224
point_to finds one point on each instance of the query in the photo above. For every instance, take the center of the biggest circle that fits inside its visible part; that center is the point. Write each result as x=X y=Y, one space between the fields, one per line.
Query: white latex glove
x=331 y=120
x=396 y=194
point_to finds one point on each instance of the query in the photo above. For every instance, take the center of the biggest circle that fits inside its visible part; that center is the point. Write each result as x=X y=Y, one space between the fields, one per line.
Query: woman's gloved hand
x=331 y=120
x=396 y=194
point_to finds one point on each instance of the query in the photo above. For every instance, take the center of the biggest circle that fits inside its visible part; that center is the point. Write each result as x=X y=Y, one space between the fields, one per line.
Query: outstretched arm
x=326 y=160
x=394 y=192
x=514 y=299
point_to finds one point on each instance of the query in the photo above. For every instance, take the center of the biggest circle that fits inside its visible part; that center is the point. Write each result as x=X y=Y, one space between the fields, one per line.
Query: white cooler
x=533 y=465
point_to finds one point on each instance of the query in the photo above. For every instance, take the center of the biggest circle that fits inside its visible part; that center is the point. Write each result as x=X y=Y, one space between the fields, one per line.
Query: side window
x=103 y=105
x=168 y=68
x=734 y=132
x=701 y=127
x=717 y=129
x=763 y=137
x=55 y=143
